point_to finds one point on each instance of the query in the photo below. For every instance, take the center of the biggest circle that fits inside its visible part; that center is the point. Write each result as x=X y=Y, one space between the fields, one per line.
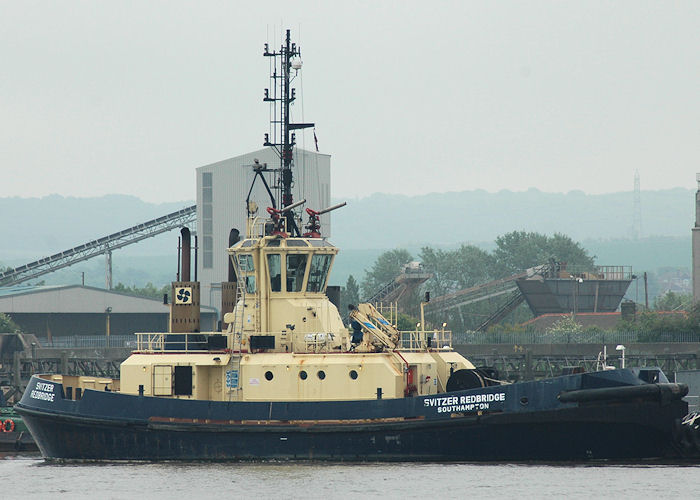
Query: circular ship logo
x=183 y=296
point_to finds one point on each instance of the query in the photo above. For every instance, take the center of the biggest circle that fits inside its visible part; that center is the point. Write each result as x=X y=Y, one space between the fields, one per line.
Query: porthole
x=268 y=375
x=302 y=375
x=353 y=374
x=321 y=374
x=524 y=401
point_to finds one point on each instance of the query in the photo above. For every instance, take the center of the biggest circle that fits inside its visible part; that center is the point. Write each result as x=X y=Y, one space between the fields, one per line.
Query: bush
x=7 y=325
x=567 y=324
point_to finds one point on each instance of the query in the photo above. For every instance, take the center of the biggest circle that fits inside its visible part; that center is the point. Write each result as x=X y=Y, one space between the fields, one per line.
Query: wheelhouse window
x=245 y=270
x=296 y=267
x=318 y=272
x=245 y=262
x=274 y=267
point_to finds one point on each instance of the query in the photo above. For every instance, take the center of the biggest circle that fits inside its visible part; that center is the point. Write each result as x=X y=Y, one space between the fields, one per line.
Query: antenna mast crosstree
x=287 y=59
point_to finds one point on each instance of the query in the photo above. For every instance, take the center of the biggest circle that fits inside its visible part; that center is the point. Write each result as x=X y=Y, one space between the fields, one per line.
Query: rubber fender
x=664 y=393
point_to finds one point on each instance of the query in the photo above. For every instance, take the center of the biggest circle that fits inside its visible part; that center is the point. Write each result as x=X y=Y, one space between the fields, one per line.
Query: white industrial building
x=696 y=245
x=222 y=189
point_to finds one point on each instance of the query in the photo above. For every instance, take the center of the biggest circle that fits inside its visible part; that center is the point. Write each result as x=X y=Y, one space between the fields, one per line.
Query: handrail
x=417 y=340
x=172 y=341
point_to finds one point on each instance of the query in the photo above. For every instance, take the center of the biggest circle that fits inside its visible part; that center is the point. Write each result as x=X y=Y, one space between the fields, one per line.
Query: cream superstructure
x=286 y=341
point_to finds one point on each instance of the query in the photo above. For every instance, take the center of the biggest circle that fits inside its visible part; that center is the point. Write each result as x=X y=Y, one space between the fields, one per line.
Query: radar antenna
x=287 y=59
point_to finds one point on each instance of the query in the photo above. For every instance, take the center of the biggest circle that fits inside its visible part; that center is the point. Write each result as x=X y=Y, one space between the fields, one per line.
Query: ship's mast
x=289 y=58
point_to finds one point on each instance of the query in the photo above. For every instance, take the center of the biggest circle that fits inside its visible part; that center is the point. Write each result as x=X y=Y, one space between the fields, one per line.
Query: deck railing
x=89 y=341
x=602 y=272
x=606 y=337
x=162 y=342
x=419 y=340
x=409 y=340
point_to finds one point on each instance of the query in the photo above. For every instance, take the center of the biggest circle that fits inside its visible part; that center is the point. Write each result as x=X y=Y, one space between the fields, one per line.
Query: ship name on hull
x=43 y=391
x=471 y=402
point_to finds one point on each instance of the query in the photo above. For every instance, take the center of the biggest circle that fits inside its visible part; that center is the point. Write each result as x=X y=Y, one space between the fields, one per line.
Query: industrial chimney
x=184 y=307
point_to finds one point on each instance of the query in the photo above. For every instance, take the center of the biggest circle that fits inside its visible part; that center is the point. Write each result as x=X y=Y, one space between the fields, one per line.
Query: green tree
x=457 y=269
x=508 y=328
x=566 y=324
x=564 y=249
x=406 y=323
x=438 y=263
x=520 y=250
x=7 y=325
x=655 y=326
x=387 y=266
x=472 y=266
x=468 y=266
x=149 y=291
x=349 y=294
x=671 y=301
x=352 y=289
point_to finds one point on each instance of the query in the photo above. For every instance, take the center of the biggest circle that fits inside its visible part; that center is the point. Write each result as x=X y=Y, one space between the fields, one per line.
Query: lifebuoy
x=8 y=425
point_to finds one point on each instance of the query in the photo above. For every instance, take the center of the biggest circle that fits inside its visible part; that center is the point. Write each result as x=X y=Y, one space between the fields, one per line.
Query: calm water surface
x=27 y=477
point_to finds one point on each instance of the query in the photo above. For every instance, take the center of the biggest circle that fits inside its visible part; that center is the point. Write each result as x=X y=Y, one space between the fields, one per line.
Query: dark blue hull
x=519 y=422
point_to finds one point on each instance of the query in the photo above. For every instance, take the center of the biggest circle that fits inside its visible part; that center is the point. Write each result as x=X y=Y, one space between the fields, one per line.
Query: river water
x=28 y=477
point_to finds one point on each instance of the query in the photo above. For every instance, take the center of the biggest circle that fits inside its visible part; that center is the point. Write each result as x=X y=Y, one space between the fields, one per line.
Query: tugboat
x=286 y=379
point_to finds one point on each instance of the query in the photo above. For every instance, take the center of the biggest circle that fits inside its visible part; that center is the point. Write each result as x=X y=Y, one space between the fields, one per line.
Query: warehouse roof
x=77 y=299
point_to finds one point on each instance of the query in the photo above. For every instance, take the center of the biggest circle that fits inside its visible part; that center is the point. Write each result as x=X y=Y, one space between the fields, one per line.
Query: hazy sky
x=408 y=97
